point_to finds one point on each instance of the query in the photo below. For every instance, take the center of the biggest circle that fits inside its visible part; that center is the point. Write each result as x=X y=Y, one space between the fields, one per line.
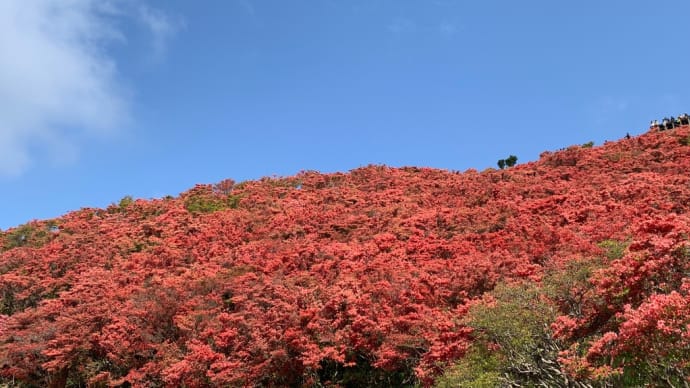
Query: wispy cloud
x=162 y=28
x=58 y=84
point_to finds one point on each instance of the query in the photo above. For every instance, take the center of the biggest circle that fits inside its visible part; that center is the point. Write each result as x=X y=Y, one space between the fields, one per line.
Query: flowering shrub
x=366 y=278
x=636 y=331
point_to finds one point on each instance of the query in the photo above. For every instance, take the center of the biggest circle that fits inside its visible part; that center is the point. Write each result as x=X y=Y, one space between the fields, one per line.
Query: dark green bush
x=510 y=161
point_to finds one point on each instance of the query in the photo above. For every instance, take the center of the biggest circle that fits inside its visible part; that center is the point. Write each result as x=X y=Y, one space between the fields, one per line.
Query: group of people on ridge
x=670 y=122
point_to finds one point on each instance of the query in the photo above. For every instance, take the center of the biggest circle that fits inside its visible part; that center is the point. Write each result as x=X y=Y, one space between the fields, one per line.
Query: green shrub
x=480 y=368
x=511 y=161
x=513 y=344
x=233 y=201
x=211 y=203
x=613 y=250
x=204 y=205
x=507 y=162
x=31 y=235
x=570 y=287
x=125 y=202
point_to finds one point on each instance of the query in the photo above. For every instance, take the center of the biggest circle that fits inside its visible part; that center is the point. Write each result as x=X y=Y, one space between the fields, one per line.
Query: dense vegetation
x=573 y=270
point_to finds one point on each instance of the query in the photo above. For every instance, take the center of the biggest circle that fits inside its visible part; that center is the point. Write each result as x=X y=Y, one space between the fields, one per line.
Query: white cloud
x=58 y=85
x=162 y=29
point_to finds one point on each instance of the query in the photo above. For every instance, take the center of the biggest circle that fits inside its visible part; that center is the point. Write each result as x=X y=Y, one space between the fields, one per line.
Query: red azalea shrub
x=353 y=279
x=635 y=332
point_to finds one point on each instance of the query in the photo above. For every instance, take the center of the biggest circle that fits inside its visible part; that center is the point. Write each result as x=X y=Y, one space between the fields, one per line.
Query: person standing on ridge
x=684 y=119
x=664 y=123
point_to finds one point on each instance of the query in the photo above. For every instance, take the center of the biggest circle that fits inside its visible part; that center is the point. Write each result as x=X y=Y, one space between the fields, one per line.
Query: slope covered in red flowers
x=325 y=278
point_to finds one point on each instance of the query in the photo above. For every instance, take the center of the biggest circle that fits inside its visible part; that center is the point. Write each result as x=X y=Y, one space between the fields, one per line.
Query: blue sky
x=102 y=99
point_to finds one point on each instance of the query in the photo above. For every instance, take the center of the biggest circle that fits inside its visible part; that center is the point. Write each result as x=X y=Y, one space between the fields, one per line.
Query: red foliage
x=270 y=281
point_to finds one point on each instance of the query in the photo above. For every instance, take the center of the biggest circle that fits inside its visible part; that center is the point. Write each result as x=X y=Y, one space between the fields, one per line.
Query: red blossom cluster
x=636 y=310
x=321 y=278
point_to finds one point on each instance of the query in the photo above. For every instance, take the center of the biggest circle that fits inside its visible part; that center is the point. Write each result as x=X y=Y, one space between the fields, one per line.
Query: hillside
x=380 y=276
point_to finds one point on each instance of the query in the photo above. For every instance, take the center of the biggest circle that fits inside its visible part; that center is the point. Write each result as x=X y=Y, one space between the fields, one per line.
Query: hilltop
x=572 y=269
